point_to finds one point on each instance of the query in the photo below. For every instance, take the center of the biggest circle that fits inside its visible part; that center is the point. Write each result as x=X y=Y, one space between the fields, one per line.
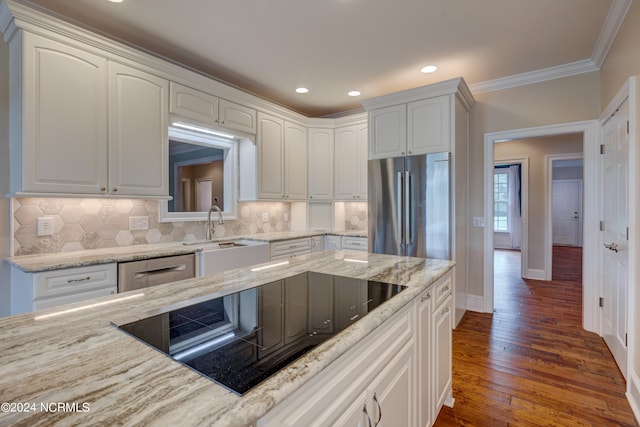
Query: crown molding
x=615 y=17
x=551 y=73
x=613 y=22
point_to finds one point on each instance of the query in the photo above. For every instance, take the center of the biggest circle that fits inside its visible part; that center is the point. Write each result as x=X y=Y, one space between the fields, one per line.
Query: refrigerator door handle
x=400 y=206
x=407 y=207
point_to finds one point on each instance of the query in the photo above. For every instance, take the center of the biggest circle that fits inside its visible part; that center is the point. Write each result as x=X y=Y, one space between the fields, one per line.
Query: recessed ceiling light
x=429 y=69
x=354 y=93
x=116 y=1
x=302 y=90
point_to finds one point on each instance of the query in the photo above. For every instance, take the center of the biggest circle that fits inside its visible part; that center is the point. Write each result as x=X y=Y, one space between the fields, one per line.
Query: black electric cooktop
x=239 y=340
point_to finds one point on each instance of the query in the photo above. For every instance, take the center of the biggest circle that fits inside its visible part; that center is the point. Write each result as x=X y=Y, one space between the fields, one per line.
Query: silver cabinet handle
x=178 y=267
x=612 y=247
x=445 y=289
x=427 y=297
x=79 y=279
x=364 y=409
x=445 y=310
x=375 y=399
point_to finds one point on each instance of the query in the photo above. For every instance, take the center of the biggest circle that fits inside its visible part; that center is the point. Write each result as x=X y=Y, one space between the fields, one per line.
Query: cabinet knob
x=103 y=189
x=402 y=152
x=115 y=189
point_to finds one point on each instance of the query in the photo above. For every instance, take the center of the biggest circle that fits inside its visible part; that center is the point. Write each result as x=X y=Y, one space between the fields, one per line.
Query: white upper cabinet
x=60 y=132
x=428 y=125
x=350 y=182
x=270 y=144
x=416 y=121
x=205 y=109
x=295 y=162
x=138 y=132
x=282 y=159
x=237 y=117
x=320 y=164
x=388 y=132
x=419 y=127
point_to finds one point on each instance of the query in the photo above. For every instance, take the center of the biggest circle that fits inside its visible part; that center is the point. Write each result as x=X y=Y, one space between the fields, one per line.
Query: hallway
x=531 y=363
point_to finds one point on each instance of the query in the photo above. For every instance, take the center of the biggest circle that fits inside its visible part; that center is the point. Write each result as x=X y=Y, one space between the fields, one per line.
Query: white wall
x=565 y=100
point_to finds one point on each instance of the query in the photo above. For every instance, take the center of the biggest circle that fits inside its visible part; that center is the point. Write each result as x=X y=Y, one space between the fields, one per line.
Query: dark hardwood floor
x=530 y=363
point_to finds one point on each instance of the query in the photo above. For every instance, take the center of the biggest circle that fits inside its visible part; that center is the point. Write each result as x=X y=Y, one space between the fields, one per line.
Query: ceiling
x=271 y=47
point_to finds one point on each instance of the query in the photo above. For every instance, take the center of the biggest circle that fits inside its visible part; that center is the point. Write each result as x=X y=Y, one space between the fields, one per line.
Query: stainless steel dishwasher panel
x=155 y=271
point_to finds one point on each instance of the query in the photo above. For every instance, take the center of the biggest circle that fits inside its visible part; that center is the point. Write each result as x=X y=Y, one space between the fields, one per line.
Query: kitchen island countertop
x=72 y=355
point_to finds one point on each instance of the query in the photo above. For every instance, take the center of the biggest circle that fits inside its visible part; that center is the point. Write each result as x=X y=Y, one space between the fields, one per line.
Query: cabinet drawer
x=355 y=243
x=42 y=303
x=69 y=281
x=289 y=247
x=443 y=288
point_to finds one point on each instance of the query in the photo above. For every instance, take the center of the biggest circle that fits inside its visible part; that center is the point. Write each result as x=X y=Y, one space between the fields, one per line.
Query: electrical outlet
x=45 y=226
x=478 y=221
x=138 y=223
x=265 y=217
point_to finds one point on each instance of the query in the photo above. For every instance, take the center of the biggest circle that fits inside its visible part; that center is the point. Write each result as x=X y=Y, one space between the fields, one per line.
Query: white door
x=614 y=249
x=567 y=212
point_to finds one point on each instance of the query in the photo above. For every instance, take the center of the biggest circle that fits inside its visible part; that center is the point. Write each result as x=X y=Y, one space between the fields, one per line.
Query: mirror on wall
x=202 y=173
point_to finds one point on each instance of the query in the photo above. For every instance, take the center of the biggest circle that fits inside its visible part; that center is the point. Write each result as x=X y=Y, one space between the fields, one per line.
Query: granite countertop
x=54 y=261
x=75 y=356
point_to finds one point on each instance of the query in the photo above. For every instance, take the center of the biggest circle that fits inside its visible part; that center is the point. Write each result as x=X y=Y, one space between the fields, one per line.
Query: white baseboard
x=535 y=274
x=475 y=303
x=633 y=393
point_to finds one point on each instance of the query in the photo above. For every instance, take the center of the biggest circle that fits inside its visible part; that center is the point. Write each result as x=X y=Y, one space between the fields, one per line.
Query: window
x=500 y=200
x=202 y=172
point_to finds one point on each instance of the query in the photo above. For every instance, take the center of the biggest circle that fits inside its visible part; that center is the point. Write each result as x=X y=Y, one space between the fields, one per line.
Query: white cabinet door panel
x=388 y=132
x=295 y=162
x=138 y=132
x=64 y=119
x=237 y=117
x=320 y=164
x=429 y=126
x=270 y=157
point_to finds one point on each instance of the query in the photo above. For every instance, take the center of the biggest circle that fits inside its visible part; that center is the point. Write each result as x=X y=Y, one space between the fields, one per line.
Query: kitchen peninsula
x=75 y=358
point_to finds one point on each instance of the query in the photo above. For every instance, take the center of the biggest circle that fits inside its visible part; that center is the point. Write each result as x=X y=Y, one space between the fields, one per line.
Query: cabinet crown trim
x=453 y=86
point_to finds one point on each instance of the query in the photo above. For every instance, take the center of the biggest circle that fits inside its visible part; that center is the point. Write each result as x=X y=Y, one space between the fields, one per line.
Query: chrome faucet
x=210 y=225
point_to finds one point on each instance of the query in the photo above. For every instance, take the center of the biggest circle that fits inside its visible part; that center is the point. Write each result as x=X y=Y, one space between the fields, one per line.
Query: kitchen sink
x=215 y=257
x=210 y=244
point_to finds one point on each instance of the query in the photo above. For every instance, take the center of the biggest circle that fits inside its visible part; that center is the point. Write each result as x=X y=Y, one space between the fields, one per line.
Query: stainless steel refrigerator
x=410 y=206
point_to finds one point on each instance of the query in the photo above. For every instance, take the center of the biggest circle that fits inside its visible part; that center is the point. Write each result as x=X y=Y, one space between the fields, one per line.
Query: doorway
x=566 y=176
x=589 y=131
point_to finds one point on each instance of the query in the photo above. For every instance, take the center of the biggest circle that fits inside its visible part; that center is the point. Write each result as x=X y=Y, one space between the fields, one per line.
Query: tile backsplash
x=100 y=223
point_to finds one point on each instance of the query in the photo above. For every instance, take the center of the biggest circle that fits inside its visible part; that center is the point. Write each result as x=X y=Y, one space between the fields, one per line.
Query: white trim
x=591 y=131
x=535 y=274
x=531 y=77
x=633 y=392
x=475 y=303
x=615 y=17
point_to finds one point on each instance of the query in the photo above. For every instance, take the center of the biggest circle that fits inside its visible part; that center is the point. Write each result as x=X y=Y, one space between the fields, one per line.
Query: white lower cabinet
x=398 y=375
x=376 y=373
x=37 y=291
x=355 y=243
x=388 y=401
x=442 y=352
x=332 y=242
x=285 y=249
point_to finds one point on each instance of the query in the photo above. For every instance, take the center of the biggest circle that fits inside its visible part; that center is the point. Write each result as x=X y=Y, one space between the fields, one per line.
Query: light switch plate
x=138 y=223
x=478 y=221
x=45 y=226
